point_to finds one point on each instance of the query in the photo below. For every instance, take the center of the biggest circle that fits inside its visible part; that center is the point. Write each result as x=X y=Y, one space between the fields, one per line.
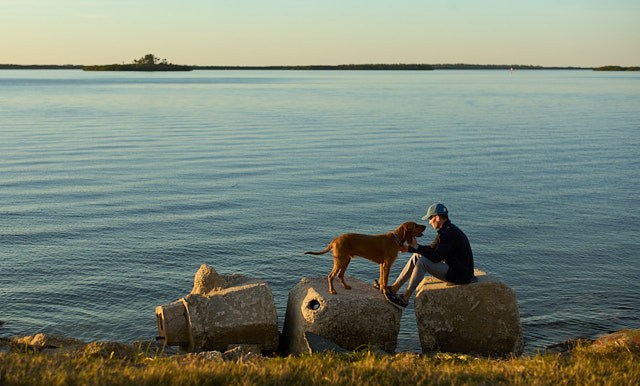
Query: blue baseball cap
x=434 y=210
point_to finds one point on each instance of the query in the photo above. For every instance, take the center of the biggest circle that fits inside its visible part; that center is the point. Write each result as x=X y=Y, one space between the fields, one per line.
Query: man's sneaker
x=396 y=300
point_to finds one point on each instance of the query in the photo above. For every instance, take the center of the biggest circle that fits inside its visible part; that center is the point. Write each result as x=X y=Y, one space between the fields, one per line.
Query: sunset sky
x=586 y=33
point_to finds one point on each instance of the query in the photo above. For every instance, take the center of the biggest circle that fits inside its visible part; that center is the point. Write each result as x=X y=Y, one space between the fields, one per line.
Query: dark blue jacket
x=451 y=246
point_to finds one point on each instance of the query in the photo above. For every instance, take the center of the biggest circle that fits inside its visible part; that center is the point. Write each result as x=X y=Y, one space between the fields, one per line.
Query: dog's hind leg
x=333 y=273
x=343 y=268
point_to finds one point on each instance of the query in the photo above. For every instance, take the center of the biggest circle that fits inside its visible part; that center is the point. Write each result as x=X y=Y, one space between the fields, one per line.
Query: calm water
x=116 y=187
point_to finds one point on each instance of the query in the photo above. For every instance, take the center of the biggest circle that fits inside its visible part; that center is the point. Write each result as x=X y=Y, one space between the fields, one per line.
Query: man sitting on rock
x=448 y=258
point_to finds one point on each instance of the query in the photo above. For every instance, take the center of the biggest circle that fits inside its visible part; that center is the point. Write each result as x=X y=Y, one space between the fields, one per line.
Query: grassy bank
x=617 y=364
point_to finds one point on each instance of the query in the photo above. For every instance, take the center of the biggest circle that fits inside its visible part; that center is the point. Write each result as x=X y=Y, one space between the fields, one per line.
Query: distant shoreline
x=616 y=68
x=342 y=67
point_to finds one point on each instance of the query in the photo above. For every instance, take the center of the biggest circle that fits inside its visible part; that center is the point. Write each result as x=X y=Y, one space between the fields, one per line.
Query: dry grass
x=617 y=364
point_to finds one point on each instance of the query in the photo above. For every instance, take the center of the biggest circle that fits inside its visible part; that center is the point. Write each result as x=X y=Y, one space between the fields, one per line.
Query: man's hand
x=404 y=248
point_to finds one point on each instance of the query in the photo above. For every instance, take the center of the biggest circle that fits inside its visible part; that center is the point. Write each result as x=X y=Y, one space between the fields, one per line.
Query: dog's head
x=410 y=229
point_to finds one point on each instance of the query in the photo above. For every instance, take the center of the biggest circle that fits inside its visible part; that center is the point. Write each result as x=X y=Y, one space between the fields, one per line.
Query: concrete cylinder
x=173 y=324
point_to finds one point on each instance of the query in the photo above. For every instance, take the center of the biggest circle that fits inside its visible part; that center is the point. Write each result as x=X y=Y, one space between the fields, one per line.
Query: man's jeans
x=416 y=268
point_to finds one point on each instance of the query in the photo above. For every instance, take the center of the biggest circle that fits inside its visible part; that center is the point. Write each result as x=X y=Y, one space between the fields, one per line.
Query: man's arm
x=424 y=250
x=436 y=252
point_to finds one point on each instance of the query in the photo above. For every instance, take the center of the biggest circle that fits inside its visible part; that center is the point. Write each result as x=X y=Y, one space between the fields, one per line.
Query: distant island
x=616 y=68
x=147 y=63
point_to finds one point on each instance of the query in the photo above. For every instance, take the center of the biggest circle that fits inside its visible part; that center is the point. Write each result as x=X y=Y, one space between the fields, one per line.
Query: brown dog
x=381 y=249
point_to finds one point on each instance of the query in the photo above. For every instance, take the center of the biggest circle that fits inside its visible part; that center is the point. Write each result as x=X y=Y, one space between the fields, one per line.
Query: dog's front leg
x=384 y=277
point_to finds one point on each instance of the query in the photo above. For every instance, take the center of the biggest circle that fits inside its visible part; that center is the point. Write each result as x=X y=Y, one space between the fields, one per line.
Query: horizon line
x=311 y=66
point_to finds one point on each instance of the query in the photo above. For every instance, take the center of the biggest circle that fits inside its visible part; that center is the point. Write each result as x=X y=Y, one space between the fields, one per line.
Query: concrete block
x=236 y=310
x=478 y=318
x=351 y=318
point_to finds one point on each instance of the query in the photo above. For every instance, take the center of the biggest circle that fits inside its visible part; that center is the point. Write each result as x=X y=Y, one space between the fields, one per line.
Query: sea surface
x=116 y=187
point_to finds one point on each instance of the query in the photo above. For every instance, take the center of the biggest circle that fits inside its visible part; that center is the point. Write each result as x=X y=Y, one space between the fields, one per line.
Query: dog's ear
x=406 y=232
x=417 y=229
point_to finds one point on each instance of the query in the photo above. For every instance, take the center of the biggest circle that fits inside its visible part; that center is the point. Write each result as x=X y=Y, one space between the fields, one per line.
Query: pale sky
x=584 y=33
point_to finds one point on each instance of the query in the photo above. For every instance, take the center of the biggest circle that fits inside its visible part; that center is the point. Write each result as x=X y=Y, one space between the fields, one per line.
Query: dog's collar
x=397 y=238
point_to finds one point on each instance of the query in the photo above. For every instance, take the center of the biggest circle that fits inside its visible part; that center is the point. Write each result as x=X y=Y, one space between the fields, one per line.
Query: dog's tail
x=327 y=249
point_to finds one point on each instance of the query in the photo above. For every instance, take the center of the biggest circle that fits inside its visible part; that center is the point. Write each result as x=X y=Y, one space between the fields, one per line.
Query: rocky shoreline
x=56 y=344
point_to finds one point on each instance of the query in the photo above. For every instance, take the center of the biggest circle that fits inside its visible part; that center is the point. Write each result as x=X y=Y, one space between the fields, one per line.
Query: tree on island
x=149 y=62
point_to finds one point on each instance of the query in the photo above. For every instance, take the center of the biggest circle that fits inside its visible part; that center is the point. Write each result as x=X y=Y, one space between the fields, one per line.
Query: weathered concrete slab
x=50 y=341
x=477 y=318
x=623 y=336
x=351 y=318
x=320 y=345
